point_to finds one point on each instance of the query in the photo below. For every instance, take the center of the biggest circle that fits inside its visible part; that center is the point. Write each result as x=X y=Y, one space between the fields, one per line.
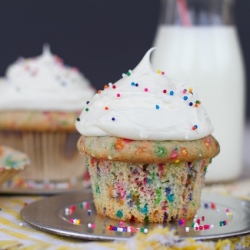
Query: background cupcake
x=148 y=144
x=40 y=99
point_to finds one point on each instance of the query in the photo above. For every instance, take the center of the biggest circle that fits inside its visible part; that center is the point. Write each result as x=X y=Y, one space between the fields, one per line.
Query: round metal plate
x=55 y=215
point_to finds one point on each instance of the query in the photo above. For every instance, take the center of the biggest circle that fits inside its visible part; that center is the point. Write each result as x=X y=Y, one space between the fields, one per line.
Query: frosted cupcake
x=148 y=144
x=40 y=99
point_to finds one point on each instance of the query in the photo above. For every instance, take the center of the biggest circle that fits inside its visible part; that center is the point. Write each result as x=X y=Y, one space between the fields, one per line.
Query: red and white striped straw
x=183 y=11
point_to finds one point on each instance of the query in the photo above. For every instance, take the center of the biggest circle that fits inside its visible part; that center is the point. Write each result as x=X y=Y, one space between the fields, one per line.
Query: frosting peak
x=44 y=83
x=144 y=66
x=145 y=105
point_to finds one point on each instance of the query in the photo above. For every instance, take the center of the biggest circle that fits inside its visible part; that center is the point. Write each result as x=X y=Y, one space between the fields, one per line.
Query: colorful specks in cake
x=165 y=217
x=146 y=89
x=160 y=151
x=119 y=145
x=130 y=203
x=144 y=210
x=136 y=190
x=119 y=214
x=185 y=98
x=184 y=152
x=113 y=118
x=78 y=119
x=190 y=197
x=146 y=219
x=207 y=142
x=171 y=92
x=170 y=198
x=157 y=106
x=158 y=197
x=173 y=155
x=97 y=189
x=168 y=190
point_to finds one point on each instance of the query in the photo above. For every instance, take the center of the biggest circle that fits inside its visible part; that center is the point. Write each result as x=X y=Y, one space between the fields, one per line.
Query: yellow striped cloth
x=16 y=234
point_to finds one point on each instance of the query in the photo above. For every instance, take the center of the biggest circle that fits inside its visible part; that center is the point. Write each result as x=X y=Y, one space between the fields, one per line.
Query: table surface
x=17 y=234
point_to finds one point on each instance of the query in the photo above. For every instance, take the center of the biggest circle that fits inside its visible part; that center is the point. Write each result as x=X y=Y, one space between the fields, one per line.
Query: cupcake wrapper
x=53 y=155
x=7 y=174
x=147 y=192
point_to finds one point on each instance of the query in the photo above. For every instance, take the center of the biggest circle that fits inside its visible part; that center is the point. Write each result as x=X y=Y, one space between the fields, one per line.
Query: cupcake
x=40 y=99
x=148 y=144
x=12 y=162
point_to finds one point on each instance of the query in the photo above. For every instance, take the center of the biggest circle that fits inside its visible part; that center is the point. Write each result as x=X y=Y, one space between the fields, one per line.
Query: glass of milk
x=197 y=43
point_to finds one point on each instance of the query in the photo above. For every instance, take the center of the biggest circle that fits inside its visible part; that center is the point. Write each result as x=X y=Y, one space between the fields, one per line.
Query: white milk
x=209 y=58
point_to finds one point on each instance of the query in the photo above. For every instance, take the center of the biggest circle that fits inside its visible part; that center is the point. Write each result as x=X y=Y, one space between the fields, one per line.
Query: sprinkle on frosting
x=138 y=118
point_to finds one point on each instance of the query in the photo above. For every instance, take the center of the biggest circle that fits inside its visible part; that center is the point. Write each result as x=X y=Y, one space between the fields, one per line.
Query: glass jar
x=197 y=43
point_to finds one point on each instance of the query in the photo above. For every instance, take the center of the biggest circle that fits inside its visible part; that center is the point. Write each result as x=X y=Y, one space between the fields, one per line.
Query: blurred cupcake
x=11 y=163
x=148 y=144
x=40 y=99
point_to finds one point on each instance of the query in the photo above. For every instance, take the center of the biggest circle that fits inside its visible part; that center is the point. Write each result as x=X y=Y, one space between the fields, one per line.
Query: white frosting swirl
x=44 y=83
x=141 y=106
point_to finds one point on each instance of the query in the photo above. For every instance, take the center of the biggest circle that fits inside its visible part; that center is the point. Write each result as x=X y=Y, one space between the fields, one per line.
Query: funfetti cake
x=148 y=143
x=40 y=99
